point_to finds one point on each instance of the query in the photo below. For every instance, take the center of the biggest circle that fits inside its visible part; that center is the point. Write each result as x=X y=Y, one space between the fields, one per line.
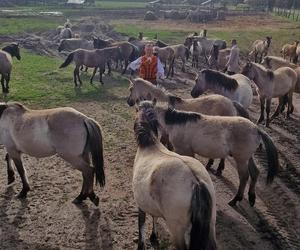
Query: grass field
x=17 y=25
x=37 y=81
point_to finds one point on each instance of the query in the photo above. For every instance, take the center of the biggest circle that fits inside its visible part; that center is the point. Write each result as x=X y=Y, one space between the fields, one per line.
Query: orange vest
x=148 y=69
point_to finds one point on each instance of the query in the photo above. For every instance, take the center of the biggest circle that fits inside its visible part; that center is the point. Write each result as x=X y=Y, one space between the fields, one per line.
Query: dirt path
x=48 y=219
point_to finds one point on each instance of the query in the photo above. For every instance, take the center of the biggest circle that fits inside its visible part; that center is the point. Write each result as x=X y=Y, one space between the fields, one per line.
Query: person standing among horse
x=149 y=65
x=233 y=59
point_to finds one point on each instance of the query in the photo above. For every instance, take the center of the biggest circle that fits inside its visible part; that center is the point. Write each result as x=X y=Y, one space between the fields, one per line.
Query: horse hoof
x=232 y=203
x=154 y=240
x=219 y=173
x=141 y=246
x=10 y=179
x=251 y=198
x=77 y=201
x=96 y=201
x=22 y=194
x=102 y=82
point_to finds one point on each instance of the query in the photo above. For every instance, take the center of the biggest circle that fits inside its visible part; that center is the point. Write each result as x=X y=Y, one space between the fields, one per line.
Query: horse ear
x=154 y=101
x=148 y=97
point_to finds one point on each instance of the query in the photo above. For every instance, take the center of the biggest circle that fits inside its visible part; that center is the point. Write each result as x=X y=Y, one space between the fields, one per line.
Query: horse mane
x=3 y=106
x=269 y=72
x=217 y=78
x=146 y=125
x=174 y=99
x=173 y=116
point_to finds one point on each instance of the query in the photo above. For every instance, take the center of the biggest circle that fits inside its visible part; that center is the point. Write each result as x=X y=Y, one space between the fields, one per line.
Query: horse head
x=13 y=49
x=199 y=86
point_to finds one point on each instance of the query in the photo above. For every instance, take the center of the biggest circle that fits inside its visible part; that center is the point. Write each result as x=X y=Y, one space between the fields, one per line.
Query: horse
x=6 y=55
x=180 y=51
x=91 y=59
x=75 y=43
x=218 y=137
x=260 y=47
x=209 y=104
x=206 y=43
x=196 y=50
x=271 y=84
x=129 y=52
x=166 y=56
x=274 y=62
x=289 y=50
x=218 y=58
x=236 y=87
x=297 y=53
x=66 y=33
x=173 y=187
x=60 y=131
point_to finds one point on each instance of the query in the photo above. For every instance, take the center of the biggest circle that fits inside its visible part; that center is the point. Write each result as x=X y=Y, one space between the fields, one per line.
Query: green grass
x=167 y=36
x=120 y=4
x=37 y=81
x=23 y=24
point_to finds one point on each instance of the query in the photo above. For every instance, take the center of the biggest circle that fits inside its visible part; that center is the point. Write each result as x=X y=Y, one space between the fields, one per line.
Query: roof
x=76 y=2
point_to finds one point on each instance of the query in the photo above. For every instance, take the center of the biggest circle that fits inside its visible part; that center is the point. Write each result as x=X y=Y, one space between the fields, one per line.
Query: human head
x=233 y=42
x=149 y=49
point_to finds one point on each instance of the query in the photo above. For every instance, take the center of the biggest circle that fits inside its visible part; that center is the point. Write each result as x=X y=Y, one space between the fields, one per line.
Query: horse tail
x=285 y=100
x=187 y=53
x=272 y=154
x=68 y=60
x=241 y=111
x=201 y=216
x=95 y=146
x=134 y=54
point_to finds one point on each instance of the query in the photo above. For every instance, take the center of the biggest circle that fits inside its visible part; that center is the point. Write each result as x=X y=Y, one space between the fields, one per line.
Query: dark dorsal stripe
x=214 y=77
x=173 y=116
x=9 y=49
x=2 y=108
x=174 y=99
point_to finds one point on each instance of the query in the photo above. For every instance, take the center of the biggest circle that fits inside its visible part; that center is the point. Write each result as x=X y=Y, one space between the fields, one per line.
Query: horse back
x=5 y=62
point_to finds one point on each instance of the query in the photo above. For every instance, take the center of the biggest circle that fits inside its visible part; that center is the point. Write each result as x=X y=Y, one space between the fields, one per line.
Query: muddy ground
x=48 y=219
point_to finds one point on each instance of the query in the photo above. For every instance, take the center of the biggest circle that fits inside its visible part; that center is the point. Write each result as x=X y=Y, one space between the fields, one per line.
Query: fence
x=293 y=14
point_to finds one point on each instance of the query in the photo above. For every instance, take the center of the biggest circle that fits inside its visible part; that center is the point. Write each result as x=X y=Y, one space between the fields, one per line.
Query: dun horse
x=236 y=87
x=209 y=104
x=91 y=59
x=219 y=137
x=289 y=50
x=260 y=48
x=42 y=133
x=272 y=84
x=274 y=62
x=6 y=55
x=173 y=187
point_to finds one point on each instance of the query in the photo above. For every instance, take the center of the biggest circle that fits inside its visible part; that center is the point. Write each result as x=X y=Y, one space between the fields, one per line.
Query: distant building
x=75 y=1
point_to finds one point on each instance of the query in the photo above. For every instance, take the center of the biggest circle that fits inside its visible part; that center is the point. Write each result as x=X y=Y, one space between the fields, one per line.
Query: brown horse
x=6 y=55
x=260 y=48
x=289 y=50
x=173 y=187
x=128 y=51
x=218 y=137
x=272 y=84
x=61 y=131
x=91 y=59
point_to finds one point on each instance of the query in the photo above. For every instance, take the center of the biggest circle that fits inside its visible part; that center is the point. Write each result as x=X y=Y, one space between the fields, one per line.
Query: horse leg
x=209 y=164
x=141 y=223
x=94 y=72
x=153 y=237
x=109 y=68
x=178 y=233
x=254 y=172
x=279 y=107
x=126 y=65
x=221 y=167
x=75 y=77
x=10 y=170
x=183 y=64
x=290 y=108
x=78 y=74
x=22 y=172
x=262 y=110
x=7 y=83
x=101 y=71
x=268 y=109
x=2 y=83
x=242 y=167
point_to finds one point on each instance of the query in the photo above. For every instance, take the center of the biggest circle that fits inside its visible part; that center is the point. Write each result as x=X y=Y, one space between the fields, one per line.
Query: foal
x=174 y=187
x=219 y=137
